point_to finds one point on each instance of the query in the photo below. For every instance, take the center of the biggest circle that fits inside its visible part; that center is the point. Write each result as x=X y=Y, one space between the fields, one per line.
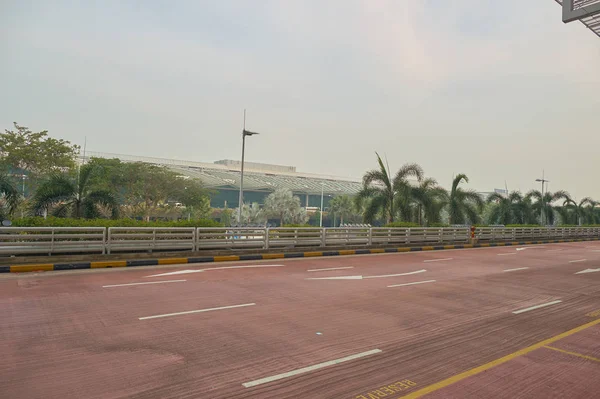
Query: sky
x=500 y=90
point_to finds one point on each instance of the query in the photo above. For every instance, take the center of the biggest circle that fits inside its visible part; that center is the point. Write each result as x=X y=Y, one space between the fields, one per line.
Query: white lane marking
x=555 y=250
x=507 y=253
x=588 y=271
x=336 y=278
x=330 y=268
x=543 y=305
x=364 y=277
x=514 y=270
x=211 y=268
x=196 y=311
x=417 y=282
x=174 y=273
x=241 y=267
x=437 y=260
x=595 y=250
x=396 y=275
x=577 y=260
x=151 y=282
x=309 y=368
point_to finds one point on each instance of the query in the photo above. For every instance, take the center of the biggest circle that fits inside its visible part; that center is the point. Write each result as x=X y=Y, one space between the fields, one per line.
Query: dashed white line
x=555 y=250
x=507 y=253
x=151 y=282
x=330 y=268
x=577 y=260
x=196 y=311
x=415 y=283
x=309 y=368
x=437 y=260
x=543 y=305
x=514 y=270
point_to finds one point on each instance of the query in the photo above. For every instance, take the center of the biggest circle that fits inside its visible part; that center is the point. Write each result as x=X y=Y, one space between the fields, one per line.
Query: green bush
x=70 y=222
x=298 y=225
x=402 y=224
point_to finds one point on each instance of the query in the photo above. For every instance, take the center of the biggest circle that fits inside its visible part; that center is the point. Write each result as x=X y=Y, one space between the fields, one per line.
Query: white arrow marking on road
x=177 y=272
x=524 y=248
x=588 y=271
x=212 y=268
x=364 y=277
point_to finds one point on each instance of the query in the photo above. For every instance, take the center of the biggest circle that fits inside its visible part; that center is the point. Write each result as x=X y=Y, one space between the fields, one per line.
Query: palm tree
x=384 y=196
x=10 y=195
x=591 y=212
x=429 y=199
x=341 y=206
x=464 y=206
x=511 y=209
x=573 y=212
x=543 y=204
x=73 y=197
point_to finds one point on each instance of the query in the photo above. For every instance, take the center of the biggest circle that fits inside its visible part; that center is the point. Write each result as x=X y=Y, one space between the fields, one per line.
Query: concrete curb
x=229 y=258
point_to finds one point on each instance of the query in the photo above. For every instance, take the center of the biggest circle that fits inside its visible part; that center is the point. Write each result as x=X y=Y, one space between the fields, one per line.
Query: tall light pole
x=543 y=209
x=321 y=213
x=244 y=134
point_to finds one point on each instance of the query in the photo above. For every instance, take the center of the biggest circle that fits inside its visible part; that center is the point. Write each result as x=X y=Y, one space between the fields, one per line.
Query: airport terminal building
x=259 y=180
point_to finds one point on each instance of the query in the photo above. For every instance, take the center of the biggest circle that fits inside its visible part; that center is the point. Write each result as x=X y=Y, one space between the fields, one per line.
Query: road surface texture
x=518 y=322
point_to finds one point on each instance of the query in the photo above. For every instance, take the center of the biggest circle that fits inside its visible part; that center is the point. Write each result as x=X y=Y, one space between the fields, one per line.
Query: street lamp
x=321 y=213
x=543 y=208
x=244 y=134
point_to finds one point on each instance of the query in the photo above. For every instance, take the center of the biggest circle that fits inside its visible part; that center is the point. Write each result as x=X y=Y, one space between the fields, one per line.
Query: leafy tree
x=35 y=152
x=252 y=214
x=64 y=196
x=283 y=205
x=386 y=197
x=464 y=206
x=341 y=206
x=9 y=196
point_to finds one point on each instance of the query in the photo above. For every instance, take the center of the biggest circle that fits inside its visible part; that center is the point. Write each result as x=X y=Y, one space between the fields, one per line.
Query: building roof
x=257 y=177
x=586 y=11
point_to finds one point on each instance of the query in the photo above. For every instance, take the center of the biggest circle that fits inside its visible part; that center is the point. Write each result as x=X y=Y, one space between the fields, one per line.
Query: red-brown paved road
x=65 y=336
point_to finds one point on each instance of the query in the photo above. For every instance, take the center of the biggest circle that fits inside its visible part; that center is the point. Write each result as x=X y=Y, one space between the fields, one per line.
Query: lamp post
x=321 y=213
x=244 y=134
x=543 y=208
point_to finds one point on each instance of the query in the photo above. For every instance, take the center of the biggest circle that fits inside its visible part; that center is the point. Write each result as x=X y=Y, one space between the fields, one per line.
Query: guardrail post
x=370 y=237
x=104 y=241
x=266 y=232
x=153 y=239
x=323 y=236
x=194 y=240
x=51 y=242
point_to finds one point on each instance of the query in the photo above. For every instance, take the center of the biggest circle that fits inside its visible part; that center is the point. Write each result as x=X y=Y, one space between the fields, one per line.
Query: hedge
x=70 y=222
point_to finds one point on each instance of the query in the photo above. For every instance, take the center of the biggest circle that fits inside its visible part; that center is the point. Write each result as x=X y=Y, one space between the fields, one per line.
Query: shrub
x=70 y=222
x=402 y=224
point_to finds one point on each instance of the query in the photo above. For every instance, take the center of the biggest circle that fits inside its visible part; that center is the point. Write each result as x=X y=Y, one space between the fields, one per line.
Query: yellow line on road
x=469 y=373
x=595 y=359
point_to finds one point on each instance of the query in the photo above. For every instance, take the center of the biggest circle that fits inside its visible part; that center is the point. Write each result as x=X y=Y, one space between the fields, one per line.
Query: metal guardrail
x=55 y=240
x=52 y=240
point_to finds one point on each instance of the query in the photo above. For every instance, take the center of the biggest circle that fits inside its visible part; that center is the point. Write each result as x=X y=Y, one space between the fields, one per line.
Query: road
x=503 y=322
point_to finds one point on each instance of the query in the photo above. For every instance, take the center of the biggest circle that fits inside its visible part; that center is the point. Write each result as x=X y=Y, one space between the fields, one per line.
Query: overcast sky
x=498 y=90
